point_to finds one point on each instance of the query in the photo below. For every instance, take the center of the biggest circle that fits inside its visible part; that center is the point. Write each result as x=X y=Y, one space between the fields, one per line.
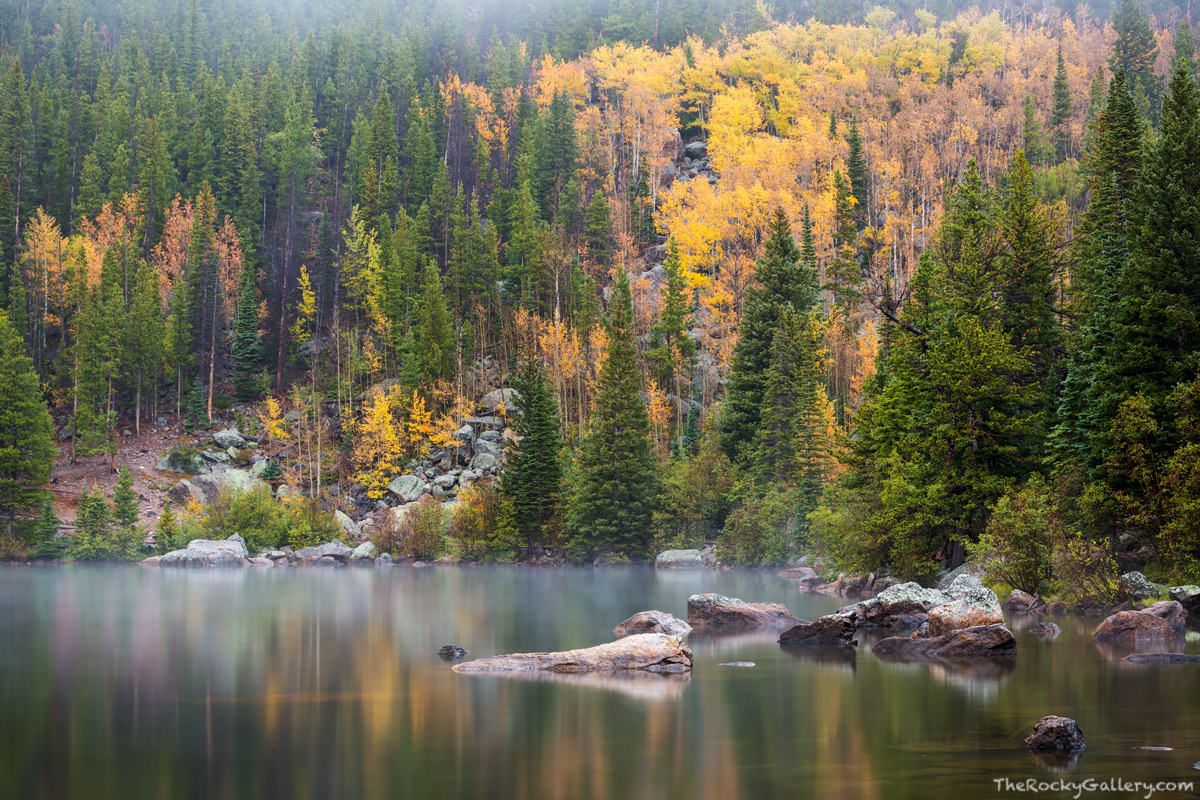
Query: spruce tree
x=247 y=352
x=1134 y=52
x=782 y=284
x=27 y=450
x=1185 y=45
x=597 y=229
x=1061 y=111
x=673 y=351
x=125 y=503
x=856 y=170
x=1036 y=144
x=532 y=476
x=433 y=350
x=617 y=489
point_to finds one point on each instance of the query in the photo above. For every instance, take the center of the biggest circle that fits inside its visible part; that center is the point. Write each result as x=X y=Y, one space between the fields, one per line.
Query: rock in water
x=1056 y=735
x=905 y=605
x=651 y=652
x=737 y=664
x=683 y=559
x=1171 y=611
x=1047 y=630
x=452 y=652
x=1188 y=596
x=229 y=552
x=1163 y=659
x=652 y=622
x=1019 y=602
x=335 y=550
x=830 y=630
x=984 y=641
x=1133 y=628
x=973 y=605
x=1136 y=586
x=718 y=610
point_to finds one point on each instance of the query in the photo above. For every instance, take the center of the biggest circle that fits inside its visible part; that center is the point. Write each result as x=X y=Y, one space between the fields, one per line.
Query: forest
x=897 y=286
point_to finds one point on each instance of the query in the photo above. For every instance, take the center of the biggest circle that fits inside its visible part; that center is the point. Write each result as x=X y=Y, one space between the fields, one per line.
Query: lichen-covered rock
x=684 y=559
x=335 y=550
x=364 y=552
x=973 y=605
x=287 y=493
x=498 y=400
x=1054 y=734
x=408 y=488
x=230 y=437
x=229 y=552
x=984 y=641
x=1134 y=628
x=1187 y=596
x=1019 y=602
x=829 y=630
x=349 y=526
x=718 y=610
x=1136 y=586
x=905 y=605
x=185 y=492
x=650 y=652
x=652 y=622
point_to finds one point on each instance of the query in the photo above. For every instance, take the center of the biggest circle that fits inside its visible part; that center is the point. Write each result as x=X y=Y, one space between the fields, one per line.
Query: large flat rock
x=651 y=652
x=984 y=641
x=717 y=610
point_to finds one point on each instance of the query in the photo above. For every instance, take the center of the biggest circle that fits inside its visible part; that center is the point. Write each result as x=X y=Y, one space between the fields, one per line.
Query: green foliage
x=195 y=415
x=27 y=450
x=615 y=496
x=758 y=532
x=97 y=536
x=422 y=532
x=1085 y=575
x=532 y=479
x=696 y=495
x=125 y=502
x=247 y=345
x=1134 y=52
x=481 y=525
x=1062 y=112
x=263 y=522
x=167 y=532
x=1021 y=535
x=271 y=472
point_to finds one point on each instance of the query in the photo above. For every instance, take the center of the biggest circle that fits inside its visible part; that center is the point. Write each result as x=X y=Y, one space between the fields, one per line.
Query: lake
x=120 y=682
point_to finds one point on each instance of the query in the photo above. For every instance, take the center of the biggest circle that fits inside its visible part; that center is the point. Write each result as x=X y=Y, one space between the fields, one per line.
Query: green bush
x=264 y=523
x=1018 y=544
x=183 y=458
x=97 y=537
x=423 y=530
x=1085 y=574
x=695 y=499
x=481 y=525
x=758 y=532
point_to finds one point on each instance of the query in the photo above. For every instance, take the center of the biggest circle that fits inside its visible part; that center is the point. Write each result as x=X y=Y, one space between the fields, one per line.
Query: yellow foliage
x=418 y=427
x=378 y=453
x=275 y=429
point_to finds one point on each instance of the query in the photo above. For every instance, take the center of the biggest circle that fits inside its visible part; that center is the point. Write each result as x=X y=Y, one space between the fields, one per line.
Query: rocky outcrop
x=650 y=652
x=230 y=437
x=984 y=641
x=1187 y=596
x=829 y=630
x=715 y=610
x=972 y=605
x=407 y=488
x=1054 y=734
x=905 y=605
x=229 y=552
x=1136 y=586
x=335 y=550
x=1163 y=659
x=1136 y=628
x=685 y=559
x=652 y=622
x=492 y=401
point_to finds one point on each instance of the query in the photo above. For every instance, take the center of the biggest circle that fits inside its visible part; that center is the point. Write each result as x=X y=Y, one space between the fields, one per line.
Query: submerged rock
x=452 y=652
x=1133 y=628
x=652 y=622
x=1163 y=659
x=716 y=609
x=737 y=664
x=229 y=552
x=1046 y=630
x=983 y=641
x=1054 y=734
x=651 y=652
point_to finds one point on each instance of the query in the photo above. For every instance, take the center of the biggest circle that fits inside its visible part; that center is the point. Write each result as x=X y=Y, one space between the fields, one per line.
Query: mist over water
x=123 y=683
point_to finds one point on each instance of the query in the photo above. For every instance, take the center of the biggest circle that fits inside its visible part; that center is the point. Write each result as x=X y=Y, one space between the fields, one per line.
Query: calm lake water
x=139 y=683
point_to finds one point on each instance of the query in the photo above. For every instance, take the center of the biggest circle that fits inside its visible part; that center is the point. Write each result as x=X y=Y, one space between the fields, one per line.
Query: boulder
x=683 y=559
x=485 y=423
x=905 y=605
x=651 y=652
x=1136 y=586
x=483 y=461
x=466 y=434
x=445 y=481
x=1019 y=602
x=259 y=561
x=695 y=150
x=178 y=462
x=973 y=605
x=365 y=552
x=984 y=641
x=717 y=610
x=229 y=552
x=490 y=436
x=1134 y=628
x=1046 y=630
x=258 y=466
x=1162 y=659
x=384 y=560
x=1056 y=735
x=652 y=622
x=288 y=494
x=452 y=652
x=828 y=630
x=1187 y=596
x=186 y=492
x=484 y=447
x=230 y=437
x=491 y=402
x=1171 y=611
x=335 y=550
x=348 y=525
x=407 y=488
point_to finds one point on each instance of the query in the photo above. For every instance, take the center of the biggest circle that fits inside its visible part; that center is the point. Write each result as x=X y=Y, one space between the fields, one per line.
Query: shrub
x=696 y=497
x=423 y=530
x=253 y=515
x=1086 y=575
x=757 y=532
x=183 y=458
x=1018 y=545
x=388 y=534
x=309 y=524
x=271 y=471
x=96 y=537
x=481 y=524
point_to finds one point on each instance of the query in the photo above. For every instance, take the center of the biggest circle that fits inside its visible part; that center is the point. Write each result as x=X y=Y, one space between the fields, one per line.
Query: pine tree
x=167 y=531
x=1061 y=112
x=1134 y=52
x=247 y=345
x=1185 y=45
x=597 y=229
x=674 y=351
x=1036 y=144
x=91 y=189
x=125 y=503
x=532 y=476
x=93 y=536
x=856 y=170
x=27 y=450
x=617 y=489
x=782 y=284
x=433 y=352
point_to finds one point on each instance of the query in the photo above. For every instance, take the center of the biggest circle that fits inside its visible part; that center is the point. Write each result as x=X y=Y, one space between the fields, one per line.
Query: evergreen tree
x=597 y=229
x=433 y=351
x=167 y=531
x=617 y=487
x=125 y=503
x=673 y=351
x=856 y=170
x=1037 y=146
x=91 y=189
x=1134 y=52
x=247 y=345
x=1185 y=45
x=782 y=284
x=532 y=476
x=1061 y=112
x=27 y=450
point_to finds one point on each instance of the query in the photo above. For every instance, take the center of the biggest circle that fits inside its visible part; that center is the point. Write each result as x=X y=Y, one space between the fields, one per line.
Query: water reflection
x=124 y=683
